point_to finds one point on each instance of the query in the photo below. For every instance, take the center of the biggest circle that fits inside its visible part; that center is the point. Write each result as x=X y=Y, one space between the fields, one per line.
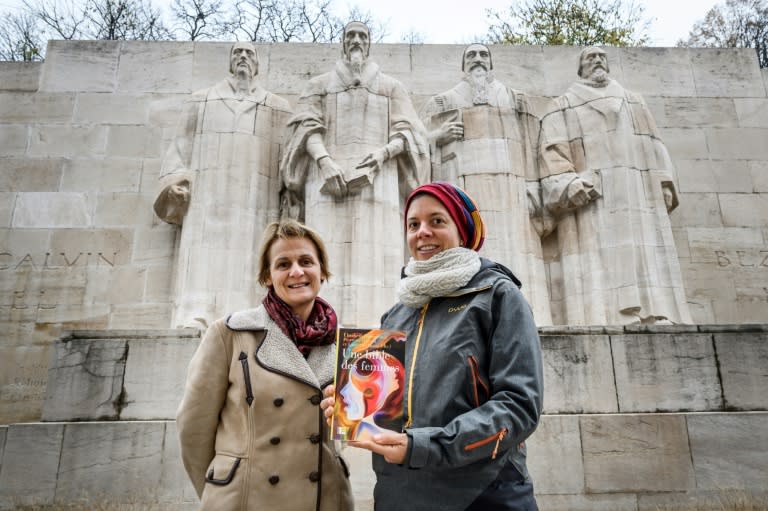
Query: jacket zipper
x=485 y=441
x=409 y=422
x=247 y=376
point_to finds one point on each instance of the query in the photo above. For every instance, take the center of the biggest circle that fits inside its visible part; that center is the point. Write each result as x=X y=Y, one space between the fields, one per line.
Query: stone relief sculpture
x=356 y=146
x=483 y=137
x=606 y=175
x=218 y=182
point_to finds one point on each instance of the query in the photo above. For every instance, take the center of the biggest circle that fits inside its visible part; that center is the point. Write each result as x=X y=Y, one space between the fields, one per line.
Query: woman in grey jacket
x=474 y=387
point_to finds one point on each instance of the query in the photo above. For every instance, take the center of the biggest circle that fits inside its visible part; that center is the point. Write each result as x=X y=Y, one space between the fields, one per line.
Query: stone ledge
x=20 y=76
x=132 y=334
x=586 y=371
x=596 y=462
x=651 y=329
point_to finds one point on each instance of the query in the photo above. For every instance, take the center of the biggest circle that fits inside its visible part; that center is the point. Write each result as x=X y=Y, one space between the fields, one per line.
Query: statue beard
x=243 y=77
x=356 y=60
x=599 y=77
x=478 y=78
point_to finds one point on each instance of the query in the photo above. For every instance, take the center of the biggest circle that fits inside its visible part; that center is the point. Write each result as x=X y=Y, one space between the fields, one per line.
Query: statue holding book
x=355 y=147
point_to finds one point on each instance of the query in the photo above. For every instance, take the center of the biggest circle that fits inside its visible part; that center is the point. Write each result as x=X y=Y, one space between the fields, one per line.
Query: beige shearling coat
x=253 y=436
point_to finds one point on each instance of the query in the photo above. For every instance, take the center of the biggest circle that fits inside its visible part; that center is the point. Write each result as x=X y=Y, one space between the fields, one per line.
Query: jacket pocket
x=497 y=437
x=222 y=470
x=480 y=390
x=344 y=466
x=247 y=377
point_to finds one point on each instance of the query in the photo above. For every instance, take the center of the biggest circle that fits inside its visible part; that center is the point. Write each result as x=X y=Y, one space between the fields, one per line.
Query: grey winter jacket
x=473 y=394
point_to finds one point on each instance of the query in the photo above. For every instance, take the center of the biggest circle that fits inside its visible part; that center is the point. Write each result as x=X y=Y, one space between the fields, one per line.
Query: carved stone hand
x=580 y=192
x=448 y=132
x=172 y=204
x=375 y=160
x=179 y=194
x=333 y=175
x=670 y=198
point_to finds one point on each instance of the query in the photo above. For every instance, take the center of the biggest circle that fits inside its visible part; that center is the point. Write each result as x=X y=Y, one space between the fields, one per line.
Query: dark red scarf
x=318 y=330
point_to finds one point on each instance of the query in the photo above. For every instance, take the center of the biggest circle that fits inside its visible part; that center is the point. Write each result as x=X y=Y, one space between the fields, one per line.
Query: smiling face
x=295 y=273
x=430 y=228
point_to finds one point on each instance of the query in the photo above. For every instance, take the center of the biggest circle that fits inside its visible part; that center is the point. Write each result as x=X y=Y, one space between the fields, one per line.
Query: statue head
x=593 y=64
x=476 y=54
x=356 y=37
x=244 y=60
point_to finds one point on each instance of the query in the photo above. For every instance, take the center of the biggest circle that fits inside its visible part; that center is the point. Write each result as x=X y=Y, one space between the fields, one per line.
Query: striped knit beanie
x=460 y=206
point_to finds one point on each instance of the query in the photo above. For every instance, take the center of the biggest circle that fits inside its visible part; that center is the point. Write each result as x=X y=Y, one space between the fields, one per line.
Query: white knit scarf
x=439 y=275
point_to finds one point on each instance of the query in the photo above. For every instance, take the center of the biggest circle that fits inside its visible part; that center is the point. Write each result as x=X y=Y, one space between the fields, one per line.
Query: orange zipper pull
x=501 y=436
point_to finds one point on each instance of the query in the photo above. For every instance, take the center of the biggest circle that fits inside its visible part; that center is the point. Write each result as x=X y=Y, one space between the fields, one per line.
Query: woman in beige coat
x=252 y=433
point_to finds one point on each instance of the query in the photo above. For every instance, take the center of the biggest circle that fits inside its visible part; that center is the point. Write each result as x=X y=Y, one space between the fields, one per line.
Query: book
x=355 y=184
x=370 y=383
x=448 y=151
x=437 y=120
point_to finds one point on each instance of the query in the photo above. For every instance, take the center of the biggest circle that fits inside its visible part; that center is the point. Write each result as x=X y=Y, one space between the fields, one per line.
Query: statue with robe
x=607 y=178
x=355 y=147
x=483 y=137
x=218 y=182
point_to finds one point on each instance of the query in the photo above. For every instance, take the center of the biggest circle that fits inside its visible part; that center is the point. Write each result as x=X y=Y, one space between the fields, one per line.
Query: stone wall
x=636 y=419
x=83 y=136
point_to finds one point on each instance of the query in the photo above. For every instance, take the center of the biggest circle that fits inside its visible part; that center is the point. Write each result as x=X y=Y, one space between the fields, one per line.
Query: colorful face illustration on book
x=370 y=383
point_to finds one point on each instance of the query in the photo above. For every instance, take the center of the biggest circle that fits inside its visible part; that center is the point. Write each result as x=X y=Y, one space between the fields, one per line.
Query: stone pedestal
x=636 y=418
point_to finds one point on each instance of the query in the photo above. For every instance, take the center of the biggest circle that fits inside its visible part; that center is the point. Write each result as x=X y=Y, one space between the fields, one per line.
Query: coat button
x=274 y=440
x=278 y=401
x=314 y=476
x=314 y=438
x=273 y=480
x=315 y=400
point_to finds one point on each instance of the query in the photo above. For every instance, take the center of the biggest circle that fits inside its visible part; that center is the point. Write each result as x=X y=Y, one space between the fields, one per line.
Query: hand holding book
x=369 y=384
x=393 y=446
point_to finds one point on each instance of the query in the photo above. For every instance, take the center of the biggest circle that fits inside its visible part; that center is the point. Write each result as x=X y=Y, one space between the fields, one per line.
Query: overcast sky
x=454 y=21
x=464 y=21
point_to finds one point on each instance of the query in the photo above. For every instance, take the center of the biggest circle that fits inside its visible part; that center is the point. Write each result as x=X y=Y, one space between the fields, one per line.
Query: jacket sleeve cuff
x=418 y=447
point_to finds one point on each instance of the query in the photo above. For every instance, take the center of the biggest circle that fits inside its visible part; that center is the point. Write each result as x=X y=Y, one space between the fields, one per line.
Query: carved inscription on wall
x=742 y=258
x=28 y=382
x=55 y=260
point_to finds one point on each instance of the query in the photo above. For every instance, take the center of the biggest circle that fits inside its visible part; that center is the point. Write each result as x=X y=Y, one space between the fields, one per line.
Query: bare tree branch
x=737 y=24
x=198 y=19
x=20 y=37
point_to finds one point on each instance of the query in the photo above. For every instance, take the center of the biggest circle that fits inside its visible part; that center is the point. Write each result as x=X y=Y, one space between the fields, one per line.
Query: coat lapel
x=278 y=353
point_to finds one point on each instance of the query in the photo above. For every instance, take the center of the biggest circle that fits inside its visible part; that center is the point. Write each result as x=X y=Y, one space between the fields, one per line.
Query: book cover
x=354 y=184
x=370 y=382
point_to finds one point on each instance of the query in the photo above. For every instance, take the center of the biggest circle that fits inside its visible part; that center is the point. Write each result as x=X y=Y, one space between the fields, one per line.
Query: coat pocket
x=246 y=377
x=480 y=390
x=222 y=470
x=344 y=466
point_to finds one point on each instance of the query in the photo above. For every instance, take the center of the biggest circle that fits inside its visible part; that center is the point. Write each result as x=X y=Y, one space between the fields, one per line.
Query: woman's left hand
x=393 y=446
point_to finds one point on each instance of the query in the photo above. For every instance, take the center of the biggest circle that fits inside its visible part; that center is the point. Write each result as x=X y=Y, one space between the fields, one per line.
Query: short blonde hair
x=289 y=229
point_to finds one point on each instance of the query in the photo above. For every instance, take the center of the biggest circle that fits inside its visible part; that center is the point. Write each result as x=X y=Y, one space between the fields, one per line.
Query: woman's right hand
x=326 y=405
